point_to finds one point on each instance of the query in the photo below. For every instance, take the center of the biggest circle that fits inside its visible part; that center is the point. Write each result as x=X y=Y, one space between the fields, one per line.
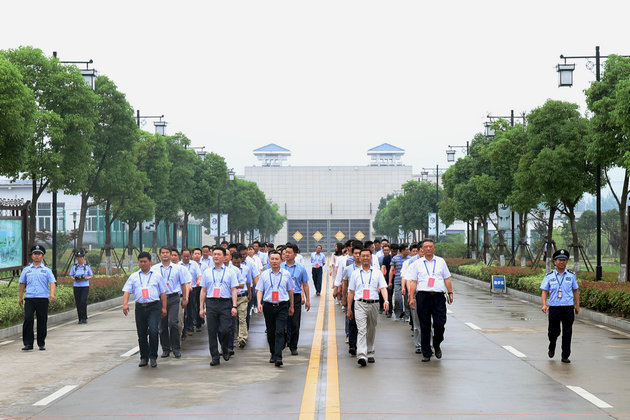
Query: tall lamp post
x=89 y=75
x=425 y=177
x=74 y=226
x=231 y=174
x=565 y=78
x=160 y=128
x=450 y=157
x=490 y=131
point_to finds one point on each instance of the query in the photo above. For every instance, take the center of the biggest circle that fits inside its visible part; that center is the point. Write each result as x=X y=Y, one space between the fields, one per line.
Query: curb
x=594 y=316
x=62 y=317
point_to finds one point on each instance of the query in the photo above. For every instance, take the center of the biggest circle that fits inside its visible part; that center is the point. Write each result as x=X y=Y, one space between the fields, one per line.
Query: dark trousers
x=431 y=306
x=192 y=310
x=81 y=299
x=251 y=304
x=293 y=324
x=34 y=306
x=169 y=325
x=219 y=321
x=390 y=298
x=147 y=323
x=561 y=315
x=276 y=322
x=317 y=278
x=352 y=329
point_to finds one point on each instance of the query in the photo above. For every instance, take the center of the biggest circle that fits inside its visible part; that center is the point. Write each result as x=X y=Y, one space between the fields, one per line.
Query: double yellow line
x=310 y=397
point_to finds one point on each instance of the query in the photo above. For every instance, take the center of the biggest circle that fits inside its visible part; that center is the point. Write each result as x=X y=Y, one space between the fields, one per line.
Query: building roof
x=272 y=148
x=386 y=148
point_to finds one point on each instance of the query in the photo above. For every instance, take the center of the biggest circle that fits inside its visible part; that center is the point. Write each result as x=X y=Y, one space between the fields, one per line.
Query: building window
x=44 y=216
x=91 y=220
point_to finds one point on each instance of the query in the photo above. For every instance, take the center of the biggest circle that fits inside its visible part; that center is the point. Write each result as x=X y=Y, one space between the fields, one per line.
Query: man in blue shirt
x=35 y=279
x=301 y=295
x=396 y=278
x=318 y=261
x=274 y=293
x=192 y=309
x=243 y=297
x=81 y=273
x=149 y=293
x=564 y=299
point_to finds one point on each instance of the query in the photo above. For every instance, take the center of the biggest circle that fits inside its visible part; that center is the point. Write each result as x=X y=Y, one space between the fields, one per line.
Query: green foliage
x=93 y=259
x=270 y=220
x=450 y=250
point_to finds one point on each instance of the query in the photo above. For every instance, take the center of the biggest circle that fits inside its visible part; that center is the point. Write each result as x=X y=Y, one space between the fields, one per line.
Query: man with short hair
x=351 y=325
x=300 y=295
x=206 y=257
x=415 y=321
x=243 y=296
x=196 y=257
x=318 y=261
x=192 y=309
x=149 y=293
x=396 y=279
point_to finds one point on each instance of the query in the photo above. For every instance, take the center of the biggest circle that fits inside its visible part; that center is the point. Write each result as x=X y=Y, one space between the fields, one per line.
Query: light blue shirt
x=264 y=259
x=193 y=270
x=81 y=270
x=224 y=279
x=244 y=276
x=270 y=282
x=152 y=281
x=37 y=280
x=554 y=282
x=252 y=268
x=397 y=263
x=318 y=259
x=205 y=264
x=174 y=276
x=298 y=275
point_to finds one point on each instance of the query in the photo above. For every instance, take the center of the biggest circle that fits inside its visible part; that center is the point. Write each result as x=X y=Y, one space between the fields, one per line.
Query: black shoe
x=26 y=348
x=565 y=360
x=143 y=362
x=426 y=358
x=42 y=348
x=215 y=362
x=438 y=352
x=80 y=321
x=551 y=353
x=353 y=351
x=362 y=362
x=198 y=329
x=278 y=363
x=388 y=315
x=226 y=356
x=153 y=363
x=272 y=360
x=165 y=353
x=294 y=352
x=231 y=352
x=177 y=354
x=85 y=321
x=371 y=360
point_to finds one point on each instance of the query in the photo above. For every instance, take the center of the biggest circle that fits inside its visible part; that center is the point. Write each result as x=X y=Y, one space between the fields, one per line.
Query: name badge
x=316 y=265
x=275 y=296
x=167 y=285
x=216 y=292
x=559 y=294
x=366 y=294
x=145 y=293
x=431 y=282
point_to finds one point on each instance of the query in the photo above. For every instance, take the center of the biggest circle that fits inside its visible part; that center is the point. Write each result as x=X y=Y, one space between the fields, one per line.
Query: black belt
x=145 y=304
x=368 y=300
x=242 y=295
x=430 y=293
x=173 y=294
x=276 y=303
x=219 y=299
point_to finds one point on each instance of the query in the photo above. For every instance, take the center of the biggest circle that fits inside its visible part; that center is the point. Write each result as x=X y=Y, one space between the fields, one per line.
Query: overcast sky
x=326 y=79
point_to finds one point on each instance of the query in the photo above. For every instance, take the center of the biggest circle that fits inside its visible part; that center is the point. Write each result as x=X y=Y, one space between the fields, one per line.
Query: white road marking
x=6 y=342
x=514 y=351
x=589 y=397
x=52 y=397
x=131 y=352
x=473 y=326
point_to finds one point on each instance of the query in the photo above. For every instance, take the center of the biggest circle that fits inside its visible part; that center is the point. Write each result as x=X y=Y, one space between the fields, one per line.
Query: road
x=495 y=365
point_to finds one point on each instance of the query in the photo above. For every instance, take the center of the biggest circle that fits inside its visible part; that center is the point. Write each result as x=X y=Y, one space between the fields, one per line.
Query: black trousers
x=561 y=315
x=147 y=323
x=81 y=299
x=353 y=331
x=34 y=306
x=390 y=298
x=431 y=307
x=317 y=278
x=169 y=325
x=293 y=328
x=276 y=316
x=219 y=321
x=191 y=312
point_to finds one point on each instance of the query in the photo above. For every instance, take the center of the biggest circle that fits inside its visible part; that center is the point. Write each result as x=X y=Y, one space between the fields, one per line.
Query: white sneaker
x=347 y=340
x=255 y=310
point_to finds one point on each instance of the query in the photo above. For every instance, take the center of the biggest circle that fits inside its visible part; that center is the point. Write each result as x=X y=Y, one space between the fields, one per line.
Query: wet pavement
x=495 y=365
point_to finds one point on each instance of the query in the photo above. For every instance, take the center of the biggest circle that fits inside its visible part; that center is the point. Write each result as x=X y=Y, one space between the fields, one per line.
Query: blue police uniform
x=36 y=280
x=81 y=288
x=317 y=269
x=146 y=289
x=299 y=277
x=275 y=288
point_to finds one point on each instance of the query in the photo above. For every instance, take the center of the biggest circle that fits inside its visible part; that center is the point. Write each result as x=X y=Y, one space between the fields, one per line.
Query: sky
x=327 y=80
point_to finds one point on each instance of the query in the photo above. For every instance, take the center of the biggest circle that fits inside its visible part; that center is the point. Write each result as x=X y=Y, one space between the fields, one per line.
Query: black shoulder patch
x=551 y=272
x=571 y=271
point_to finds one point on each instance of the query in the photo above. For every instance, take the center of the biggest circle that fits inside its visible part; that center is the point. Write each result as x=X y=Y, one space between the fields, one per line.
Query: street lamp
x=489 y=129
x=231 y=174
x=450 y=152
x=565 y=74
x=89 y=75
x=425 y=176
x=74 y=223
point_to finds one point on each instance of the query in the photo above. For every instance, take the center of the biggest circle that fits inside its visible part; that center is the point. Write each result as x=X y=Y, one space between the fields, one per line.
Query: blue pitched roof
x=386 y=147
x=272 y=148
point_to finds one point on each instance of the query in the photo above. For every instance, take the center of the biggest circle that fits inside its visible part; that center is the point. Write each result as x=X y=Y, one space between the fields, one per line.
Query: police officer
x=36 y=278
x=149 y=292
x=274 y=293
x=301 y=294
x=561 y=287
x=218 y=292
x=81 y=273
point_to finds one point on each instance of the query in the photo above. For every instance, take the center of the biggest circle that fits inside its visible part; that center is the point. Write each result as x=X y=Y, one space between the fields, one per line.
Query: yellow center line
x=332 y=371
x=309 y=397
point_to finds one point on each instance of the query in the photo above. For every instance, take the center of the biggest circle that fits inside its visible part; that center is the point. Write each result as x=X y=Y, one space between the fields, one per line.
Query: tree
x=17 y=118
x=270 y=220
x=242 y=200
x=612 y=231
x=387 y=220
x=417 y=201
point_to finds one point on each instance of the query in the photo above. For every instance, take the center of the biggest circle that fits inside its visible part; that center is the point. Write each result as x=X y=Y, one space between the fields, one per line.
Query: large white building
x=328 y=204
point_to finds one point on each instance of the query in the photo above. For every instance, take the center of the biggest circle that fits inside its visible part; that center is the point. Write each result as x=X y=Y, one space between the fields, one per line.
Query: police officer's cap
x=38 y=249
x=561 y=254
x=79 y=254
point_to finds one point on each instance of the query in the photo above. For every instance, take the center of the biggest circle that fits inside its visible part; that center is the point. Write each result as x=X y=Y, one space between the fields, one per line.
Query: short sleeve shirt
x=37 y=280
x=81 y=270
x=430 y=275
x=244 y=277
x=270 y=282
x=193 y=269
x=223 y=279
x=152 y=283
x=371 y=280
x=318 y=260
x=298 y=275
x=174 y=276
x=565 y=282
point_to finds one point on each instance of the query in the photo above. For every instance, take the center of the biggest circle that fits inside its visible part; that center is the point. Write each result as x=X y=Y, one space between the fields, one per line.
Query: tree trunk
x=549 y=240
x=522 y=226
x=154 y=244
x=486 y=240
x=501 y=247
x=576 y=241
x=623 y=225
x=32 y=211
x=132 y=226
x=167 y=228
x=108 y=239
x=473 y=240
x=82 y=217
x=185 y=231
